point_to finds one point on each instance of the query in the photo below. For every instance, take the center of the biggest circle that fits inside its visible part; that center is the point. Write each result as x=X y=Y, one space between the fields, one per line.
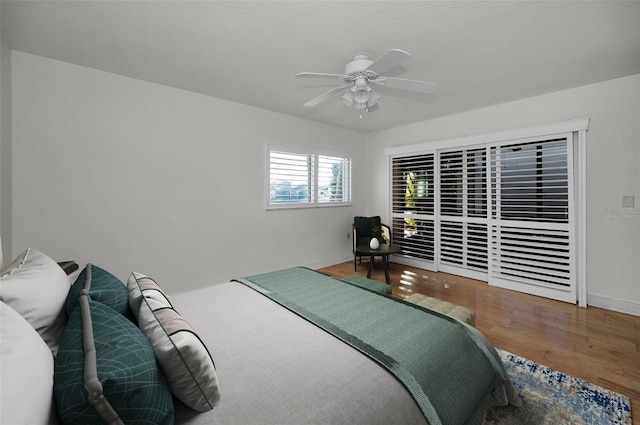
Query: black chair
x=365 y=228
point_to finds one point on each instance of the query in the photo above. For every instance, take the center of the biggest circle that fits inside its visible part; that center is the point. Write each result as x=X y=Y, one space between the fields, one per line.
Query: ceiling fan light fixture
x=347 y=99
x=361 y=90
x=360 y=95
x=359 y=106
x=360 y=99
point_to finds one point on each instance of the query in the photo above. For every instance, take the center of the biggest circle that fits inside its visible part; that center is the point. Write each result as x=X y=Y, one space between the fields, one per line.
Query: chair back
x=363 y=230
x=363 y=227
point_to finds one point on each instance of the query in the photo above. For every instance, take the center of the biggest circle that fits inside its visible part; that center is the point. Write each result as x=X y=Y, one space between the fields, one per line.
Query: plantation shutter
x=290 y=177
x=506 y=207
x=306 y=179
x=412 y=206
x=463 y=212
x=531 y=222
x=334 y=177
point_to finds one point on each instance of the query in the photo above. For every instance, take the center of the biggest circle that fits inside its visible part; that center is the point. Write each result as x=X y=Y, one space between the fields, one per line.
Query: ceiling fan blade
x=321 y=75
x=404 y=84
x=390 y=59
x=328 y=95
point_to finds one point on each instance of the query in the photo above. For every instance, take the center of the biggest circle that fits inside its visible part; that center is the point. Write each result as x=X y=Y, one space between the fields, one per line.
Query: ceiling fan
x=362 y=73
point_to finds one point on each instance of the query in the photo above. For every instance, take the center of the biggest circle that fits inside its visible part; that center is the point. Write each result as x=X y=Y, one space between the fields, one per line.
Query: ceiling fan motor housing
x=358 y=67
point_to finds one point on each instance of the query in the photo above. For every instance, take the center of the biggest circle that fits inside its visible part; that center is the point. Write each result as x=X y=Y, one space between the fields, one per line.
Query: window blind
x=463 y=210
x=334 y=179
x=531 y=181
x=412 y=205
x=506 y=207
x=307 y=179
x=531 y=225
x=290 y=177
x=501 y=211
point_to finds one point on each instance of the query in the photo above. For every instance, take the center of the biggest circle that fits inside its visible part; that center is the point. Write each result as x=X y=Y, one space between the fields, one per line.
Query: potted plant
x=377 y=237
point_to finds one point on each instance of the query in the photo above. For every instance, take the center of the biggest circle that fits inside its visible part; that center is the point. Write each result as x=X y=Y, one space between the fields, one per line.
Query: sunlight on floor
x=407 y=278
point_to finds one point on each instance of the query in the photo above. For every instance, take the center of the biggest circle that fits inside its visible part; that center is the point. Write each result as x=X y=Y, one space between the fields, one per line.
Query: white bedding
x=276 y=368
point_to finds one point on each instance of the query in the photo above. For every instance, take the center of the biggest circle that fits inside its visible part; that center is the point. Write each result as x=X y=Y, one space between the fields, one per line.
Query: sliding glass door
x=502 y=212
x=439 y=210
x=532 y=209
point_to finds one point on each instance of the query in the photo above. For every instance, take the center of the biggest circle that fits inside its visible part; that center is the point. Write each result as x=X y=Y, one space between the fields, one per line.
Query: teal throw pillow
x=102 y=287
x=119 y=382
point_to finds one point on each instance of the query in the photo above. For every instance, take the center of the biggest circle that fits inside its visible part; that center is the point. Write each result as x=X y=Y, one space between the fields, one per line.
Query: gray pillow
x=182 y=355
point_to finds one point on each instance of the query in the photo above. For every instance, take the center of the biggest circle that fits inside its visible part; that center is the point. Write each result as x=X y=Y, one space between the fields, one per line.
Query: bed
x=257 y=360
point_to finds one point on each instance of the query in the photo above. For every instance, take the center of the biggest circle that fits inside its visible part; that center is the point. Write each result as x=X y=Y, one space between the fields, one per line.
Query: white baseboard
x=620 y=306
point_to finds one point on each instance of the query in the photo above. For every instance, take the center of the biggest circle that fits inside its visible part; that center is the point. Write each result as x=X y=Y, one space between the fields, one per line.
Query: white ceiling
x=479 y=52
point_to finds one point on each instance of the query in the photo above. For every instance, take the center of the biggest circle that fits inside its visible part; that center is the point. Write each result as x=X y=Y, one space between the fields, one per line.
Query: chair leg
x=355 y=265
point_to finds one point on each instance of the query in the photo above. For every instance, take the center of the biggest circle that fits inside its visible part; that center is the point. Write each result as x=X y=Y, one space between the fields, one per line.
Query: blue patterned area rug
x=550 y=397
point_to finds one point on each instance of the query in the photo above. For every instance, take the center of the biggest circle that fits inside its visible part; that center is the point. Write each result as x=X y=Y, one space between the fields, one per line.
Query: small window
x=307 y=179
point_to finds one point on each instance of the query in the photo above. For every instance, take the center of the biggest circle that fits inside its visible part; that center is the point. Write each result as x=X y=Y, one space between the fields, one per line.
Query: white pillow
x=36 y=287
x=26 y=389
x=183 y=357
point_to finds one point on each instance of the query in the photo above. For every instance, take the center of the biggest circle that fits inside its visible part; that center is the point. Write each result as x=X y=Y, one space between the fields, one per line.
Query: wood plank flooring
x=594 y=344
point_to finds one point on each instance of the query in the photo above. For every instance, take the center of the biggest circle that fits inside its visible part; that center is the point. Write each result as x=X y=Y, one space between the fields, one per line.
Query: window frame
x=314 y=170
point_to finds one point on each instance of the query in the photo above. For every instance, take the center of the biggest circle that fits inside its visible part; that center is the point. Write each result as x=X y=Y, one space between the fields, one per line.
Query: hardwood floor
x=594 y=344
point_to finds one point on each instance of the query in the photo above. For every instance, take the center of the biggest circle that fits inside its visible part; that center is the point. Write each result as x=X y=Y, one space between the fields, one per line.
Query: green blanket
x=449 y=372
x=370 y=284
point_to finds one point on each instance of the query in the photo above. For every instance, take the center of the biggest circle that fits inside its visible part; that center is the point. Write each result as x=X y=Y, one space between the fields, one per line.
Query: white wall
x=5 y=148
x=613 y=170
x=135 y=176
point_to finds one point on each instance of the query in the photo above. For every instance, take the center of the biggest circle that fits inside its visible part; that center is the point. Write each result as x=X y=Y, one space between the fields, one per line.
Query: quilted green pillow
x=118 y=382
x=103 y=287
